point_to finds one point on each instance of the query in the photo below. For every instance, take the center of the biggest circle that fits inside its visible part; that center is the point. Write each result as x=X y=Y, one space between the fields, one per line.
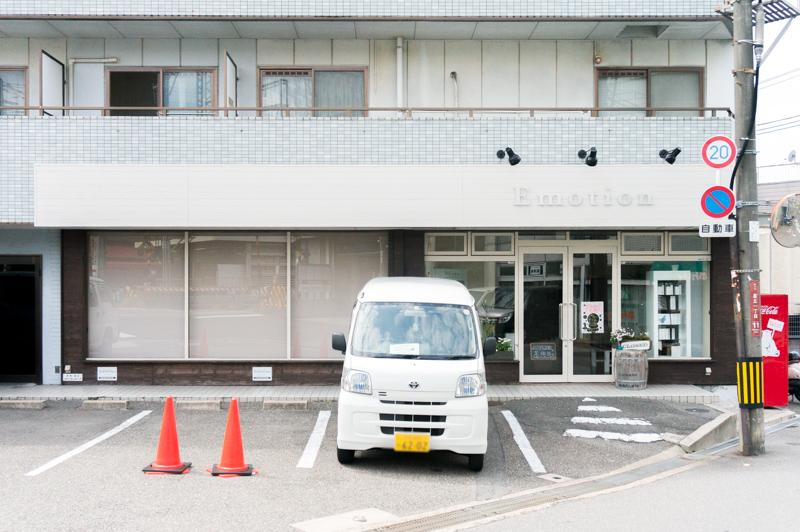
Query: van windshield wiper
x=399 y=356
x=459 y=357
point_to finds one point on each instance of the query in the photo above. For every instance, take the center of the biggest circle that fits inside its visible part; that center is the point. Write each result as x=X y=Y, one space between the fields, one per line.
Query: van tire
x=475 y=462
x=345 y=456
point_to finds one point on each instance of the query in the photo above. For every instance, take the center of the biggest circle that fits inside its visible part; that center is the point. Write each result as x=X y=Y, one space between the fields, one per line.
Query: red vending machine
x=775 y=348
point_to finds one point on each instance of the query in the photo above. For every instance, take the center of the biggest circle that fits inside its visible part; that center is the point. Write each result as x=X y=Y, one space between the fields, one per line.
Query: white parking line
x=610 y=421
x=88 y=444
x=523 y=443
x=315 y=440
x=592 y=408
x=636 y=438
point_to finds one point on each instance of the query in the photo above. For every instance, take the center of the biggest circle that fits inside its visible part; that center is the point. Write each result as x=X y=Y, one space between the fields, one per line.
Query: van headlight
x=356 y=382
x=471 y=385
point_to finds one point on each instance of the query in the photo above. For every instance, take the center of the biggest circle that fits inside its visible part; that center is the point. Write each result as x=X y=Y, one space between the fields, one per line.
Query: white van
x=413 y=377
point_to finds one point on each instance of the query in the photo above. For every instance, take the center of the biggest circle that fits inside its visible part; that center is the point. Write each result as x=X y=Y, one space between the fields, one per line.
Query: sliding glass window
x=12 y=91
x=331 y=88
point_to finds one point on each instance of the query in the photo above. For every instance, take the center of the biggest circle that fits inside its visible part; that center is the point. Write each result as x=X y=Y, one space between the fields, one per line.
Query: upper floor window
x=663 y=88
x=161 y=87
x=12 y=91
x=313 y=87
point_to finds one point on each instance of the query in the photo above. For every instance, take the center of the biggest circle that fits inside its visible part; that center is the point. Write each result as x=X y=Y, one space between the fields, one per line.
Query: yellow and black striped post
x=750 y=382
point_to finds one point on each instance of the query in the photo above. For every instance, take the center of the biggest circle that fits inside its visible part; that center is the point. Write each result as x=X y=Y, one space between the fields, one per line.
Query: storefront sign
x=775 y=348
x=755 y=309
x=107 y=374
x=592 y=317
x=72 y=377
x=543 y=351
x=262 y=374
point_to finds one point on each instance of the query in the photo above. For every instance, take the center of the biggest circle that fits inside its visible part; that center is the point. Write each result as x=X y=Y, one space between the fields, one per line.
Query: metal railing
x=351 y=112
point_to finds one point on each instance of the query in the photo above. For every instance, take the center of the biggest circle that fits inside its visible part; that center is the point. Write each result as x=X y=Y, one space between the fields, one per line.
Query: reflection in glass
x=592 y=291
x=328 y=270
x=491 y=284
x=136 y=295
x=622 y=91
x=286 y=89
x=237 y=296
x=187 y=89
x=543 y=279
x=12 y=92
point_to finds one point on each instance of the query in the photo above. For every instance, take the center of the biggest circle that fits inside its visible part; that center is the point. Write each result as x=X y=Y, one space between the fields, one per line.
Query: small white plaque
x=262 y=373
x=775 y=325
x=107 y=374
x=718 y=228
x=72 y=377
x=754 y=231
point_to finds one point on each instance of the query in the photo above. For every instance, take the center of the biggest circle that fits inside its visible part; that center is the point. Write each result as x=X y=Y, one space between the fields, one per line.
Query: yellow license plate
x=412 y=443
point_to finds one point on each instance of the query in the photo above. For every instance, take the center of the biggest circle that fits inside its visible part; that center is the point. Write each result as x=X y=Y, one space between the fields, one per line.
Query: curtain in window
x=339 y=89
x=187 y=89
x=619 y=91
x=12 y=91
x=286 y=91
x=675 y=89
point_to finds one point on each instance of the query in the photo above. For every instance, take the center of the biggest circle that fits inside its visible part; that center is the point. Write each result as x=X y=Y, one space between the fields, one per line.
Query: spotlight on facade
x=513 y=158
x=669 y=156
x=590 y=157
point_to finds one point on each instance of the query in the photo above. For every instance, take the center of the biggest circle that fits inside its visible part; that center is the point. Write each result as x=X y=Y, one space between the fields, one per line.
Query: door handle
x=574 y=321
x=561 y=321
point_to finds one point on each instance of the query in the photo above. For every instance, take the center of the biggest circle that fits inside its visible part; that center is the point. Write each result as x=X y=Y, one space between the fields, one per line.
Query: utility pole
x=744 y=260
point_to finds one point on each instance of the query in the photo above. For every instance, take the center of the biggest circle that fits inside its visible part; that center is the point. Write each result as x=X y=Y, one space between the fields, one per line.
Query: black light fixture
x=513 y=158
x=669 y=156
x=590 y=157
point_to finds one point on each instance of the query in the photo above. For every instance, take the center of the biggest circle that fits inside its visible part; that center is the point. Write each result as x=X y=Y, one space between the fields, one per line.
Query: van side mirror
x=338 y=343
x=489 y=346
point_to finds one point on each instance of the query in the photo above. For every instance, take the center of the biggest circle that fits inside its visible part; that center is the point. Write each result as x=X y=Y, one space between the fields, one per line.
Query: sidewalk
x=661 y=392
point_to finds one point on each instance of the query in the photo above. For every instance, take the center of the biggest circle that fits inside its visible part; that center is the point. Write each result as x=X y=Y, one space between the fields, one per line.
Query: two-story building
x=192 y=190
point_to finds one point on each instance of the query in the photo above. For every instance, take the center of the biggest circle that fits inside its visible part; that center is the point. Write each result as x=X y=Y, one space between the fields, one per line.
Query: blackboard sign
x=543 y=351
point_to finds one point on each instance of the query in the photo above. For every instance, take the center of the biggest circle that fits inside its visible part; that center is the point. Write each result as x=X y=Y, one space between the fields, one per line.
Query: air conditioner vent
x=642 y=243
x=687 y=244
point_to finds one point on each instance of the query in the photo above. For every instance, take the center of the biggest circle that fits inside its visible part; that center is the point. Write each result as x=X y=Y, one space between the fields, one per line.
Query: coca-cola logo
x=769 y=309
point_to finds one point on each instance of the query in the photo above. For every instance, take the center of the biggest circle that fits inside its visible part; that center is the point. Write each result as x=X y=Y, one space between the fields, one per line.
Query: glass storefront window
x=446 y=244
x=237 y=296
x=670 y=301
x=136 y=295
x=492 y=244
x=328 y=270
x=491 y=283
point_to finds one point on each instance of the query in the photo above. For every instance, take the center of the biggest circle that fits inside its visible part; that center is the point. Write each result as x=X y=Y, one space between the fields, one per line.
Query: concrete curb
x=18 y=404
x=720 y=429
x=198 y=405
x=104 y=404
x=285 y=405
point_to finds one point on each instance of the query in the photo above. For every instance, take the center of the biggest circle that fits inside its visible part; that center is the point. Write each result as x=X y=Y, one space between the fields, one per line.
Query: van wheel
x=108 y=341
x=345 y=456
x=475 y=462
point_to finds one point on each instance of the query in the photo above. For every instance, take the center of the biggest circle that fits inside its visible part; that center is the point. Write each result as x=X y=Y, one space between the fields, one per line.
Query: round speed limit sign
x=719 y=152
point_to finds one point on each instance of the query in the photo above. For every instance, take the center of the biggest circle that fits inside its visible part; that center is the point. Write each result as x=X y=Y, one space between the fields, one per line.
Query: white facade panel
x=500 y=85
x=129 y=51
x=275 y=52
x=425 y=81
x=161 y=52
x=347 y=197
x=463 y=58
x=83 y=48
x=537 y=74
x=13 y=52
x=199 y=52
x=687 y=53
x=47 y=243
x=89 y=89
x=650 y=53
x=383 y=74
x=615 y=53
x=312 y=52
x=719 y=82
x=575 y=74
x=351 y=52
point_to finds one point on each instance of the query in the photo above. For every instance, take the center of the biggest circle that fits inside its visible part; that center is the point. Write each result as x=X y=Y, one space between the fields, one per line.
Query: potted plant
x=630 y=358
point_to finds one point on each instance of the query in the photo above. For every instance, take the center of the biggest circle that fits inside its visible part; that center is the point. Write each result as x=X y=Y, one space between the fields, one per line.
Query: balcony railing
x=383 y=112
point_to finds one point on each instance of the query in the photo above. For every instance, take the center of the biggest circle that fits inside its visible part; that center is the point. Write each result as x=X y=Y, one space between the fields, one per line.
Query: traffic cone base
x=226 y=473
x=153 y=469
x=168 y=457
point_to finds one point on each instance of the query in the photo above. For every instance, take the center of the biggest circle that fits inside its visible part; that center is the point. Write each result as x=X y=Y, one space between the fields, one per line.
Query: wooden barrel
x=630 y=369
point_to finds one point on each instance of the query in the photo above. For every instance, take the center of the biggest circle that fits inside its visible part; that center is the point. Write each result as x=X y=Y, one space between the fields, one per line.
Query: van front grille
x=414 y=403
x=392 y=430
x=413 y=418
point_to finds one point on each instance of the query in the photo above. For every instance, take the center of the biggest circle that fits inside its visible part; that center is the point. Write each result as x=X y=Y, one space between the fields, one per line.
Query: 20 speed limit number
x=719 y=152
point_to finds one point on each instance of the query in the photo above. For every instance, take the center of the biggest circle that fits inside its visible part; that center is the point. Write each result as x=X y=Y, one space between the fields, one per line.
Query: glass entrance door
x=566 y=311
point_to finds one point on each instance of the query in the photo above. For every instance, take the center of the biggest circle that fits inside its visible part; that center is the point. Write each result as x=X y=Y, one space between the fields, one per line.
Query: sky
x=779 y=96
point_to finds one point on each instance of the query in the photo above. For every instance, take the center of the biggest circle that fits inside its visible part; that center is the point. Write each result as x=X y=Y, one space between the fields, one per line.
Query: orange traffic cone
x=168 y=458
x=202 y=351
x=232 y=462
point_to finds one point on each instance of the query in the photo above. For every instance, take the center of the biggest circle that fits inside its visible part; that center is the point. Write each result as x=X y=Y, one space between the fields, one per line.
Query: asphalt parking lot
x=103 y=487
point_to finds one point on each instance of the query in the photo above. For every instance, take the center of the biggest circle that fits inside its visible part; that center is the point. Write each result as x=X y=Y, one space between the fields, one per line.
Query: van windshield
x=408 y=330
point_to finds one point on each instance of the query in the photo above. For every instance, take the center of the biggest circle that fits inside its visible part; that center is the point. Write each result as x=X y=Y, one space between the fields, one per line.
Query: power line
x=778 y=120
x=778 y=126
x=780 y=129
x=779 y=75
x=779 y=82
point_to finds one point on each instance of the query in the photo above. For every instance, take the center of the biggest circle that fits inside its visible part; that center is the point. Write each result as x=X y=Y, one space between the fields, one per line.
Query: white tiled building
x=191 y=189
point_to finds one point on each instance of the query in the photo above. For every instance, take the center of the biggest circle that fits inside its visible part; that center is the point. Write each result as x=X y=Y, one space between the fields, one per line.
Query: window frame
x=648 y=71
x=161 y=71
x=25 y=89
x=312 y=70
